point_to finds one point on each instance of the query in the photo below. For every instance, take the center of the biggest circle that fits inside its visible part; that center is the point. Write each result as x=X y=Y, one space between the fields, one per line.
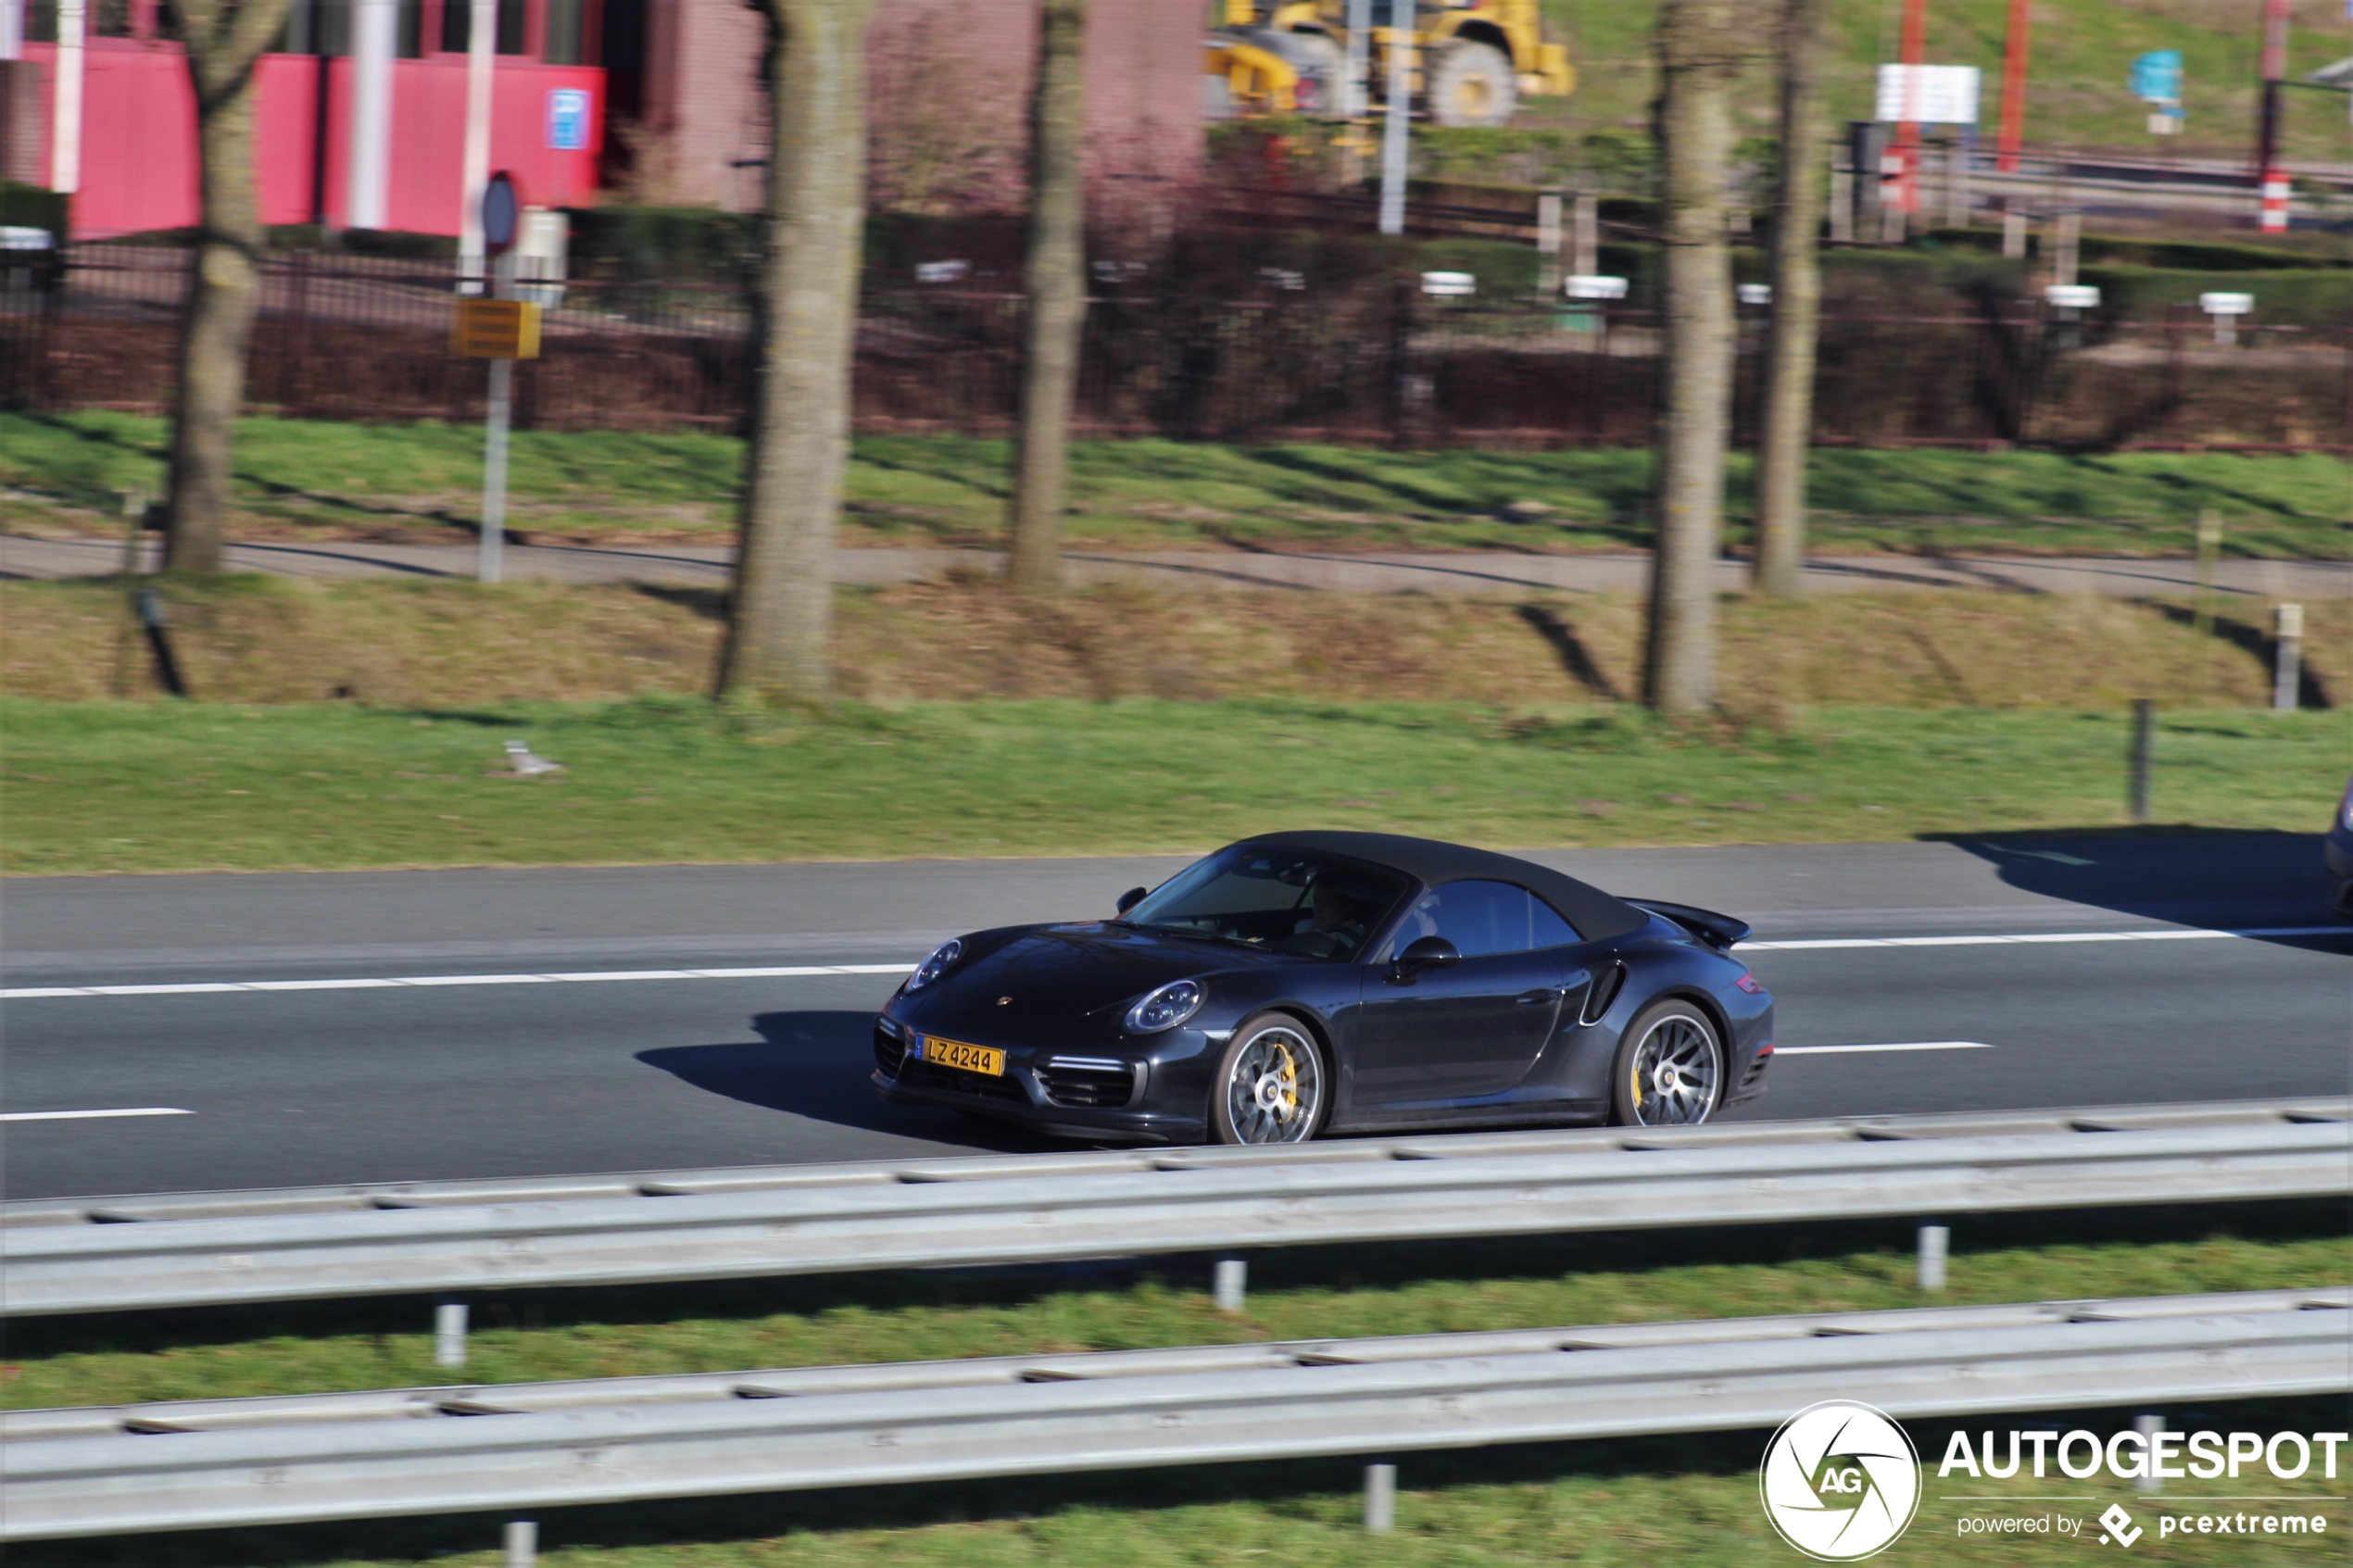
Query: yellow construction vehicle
x=1469 y=61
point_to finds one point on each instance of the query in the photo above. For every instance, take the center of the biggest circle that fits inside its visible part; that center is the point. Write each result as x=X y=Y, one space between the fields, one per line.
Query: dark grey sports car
x=1311 y=982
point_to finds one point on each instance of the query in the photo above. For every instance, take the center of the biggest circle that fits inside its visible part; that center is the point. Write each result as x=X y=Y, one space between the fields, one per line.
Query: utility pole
x=1394 y=131
x=2013 y=129
x=2270 y=180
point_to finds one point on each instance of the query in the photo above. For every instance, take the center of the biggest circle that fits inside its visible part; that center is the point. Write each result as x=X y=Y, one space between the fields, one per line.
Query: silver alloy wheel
x=1276 y=1087
x=1677 y=1074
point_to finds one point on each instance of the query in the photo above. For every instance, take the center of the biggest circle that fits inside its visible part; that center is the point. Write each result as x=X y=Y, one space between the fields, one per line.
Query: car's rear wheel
x=1670 y=1068
x=1272 y=1084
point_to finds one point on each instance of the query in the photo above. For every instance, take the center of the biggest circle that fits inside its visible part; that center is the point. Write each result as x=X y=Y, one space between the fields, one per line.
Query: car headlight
x=942 y=957
x=2345 y=810
x=1166 y=1008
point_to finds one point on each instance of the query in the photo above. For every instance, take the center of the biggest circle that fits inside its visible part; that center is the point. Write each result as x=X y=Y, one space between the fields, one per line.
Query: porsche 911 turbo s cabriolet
x=1310 y=983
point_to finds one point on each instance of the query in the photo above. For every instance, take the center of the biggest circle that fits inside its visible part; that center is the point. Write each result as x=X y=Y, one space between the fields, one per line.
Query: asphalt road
x=513 y=1075
x=1433 y=571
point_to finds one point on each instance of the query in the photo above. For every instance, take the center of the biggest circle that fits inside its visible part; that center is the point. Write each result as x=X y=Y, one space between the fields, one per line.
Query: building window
x=324 y=27
x=567 y=40
x=457 y=26
x=110 y=19
x=41 y=22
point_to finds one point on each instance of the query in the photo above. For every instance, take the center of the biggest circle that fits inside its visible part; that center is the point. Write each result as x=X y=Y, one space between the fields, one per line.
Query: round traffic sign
x=501 y=213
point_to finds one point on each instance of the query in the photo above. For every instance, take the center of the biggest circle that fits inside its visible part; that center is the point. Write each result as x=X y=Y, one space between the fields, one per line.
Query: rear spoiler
x=1719 y=931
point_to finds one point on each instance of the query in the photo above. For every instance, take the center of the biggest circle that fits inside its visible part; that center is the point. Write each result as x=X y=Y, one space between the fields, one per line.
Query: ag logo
x=1840 y=1481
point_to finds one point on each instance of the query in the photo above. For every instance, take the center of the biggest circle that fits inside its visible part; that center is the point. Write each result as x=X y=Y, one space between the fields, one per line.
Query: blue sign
x=568 y=118
x=2157 y=76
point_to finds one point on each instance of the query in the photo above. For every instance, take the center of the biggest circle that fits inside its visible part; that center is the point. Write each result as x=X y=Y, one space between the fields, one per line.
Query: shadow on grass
x=1318 y=1494
x=2311 y=692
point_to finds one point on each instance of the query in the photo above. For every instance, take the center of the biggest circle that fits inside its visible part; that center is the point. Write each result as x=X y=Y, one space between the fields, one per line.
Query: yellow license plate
x=972 y=1059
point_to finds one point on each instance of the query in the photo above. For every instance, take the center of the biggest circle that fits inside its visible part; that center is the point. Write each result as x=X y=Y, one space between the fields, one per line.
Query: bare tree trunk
x=1797 y=304
x=1056 y=285
x=806 y=293
x=224 y=40
x=1699 y=53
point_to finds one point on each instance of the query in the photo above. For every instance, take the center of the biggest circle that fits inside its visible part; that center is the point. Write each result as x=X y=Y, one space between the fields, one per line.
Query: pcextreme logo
x=1841 y=1481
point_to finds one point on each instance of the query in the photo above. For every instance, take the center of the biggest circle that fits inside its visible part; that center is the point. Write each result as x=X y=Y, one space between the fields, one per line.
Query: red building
x=648 y=100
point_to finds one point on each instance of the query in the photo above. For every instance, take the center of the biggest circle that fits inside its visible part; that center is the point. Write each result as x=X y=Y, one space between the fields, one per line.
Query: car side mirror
x=1130 y=899
x=1423 y=952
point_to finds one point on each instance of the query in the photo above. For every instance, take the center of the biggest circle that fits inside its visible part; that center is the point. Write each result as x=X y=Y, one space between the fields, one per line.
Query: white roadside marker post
x=450 y=1334
x=523 y=1543
x=1233 y=1283
x=1935 y=1240
x=1381 y=1499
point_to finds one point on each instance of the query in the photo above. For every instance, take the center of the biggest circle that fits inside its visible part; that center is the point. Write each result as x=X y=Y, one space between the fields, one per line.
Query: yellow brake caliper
x=1291 y=1085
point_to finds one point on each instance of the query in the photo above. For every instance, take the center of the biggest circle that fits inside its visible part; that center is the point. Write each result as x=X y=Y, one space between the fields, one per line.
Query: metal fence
x=375 y=1455
x=197 y=1249
x=360 y=337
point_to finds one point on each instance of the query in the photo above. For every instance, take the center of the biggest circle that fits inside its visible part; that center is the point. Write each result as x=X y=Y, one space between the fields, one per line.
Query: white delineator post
x=1356 y=92
x=375 y=26
x=1393 y=146
x=2287 y=673
x=482 y=42
x=65 y=104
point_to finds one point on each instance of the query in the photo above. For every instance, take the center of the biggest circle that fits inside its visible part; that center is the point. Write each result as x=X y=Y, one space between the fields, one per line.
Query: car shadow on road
x=2221 y=881
x=816 y=1064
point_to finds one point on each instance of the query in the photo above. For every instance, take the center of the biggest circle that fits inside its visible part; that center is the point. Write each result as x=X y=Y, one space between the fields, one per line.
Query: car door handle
x=1537 y=999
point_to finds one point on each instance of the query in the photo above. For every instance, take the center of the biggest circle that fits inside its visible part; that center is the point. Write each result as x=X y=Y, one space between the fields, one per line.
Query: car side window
x=1482 y=918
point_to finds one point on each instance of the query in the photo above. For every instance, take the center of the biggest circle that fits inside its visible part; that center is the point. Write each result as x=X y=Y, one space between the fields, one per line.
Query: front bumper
x=1064 y=1091
x=2336 y=854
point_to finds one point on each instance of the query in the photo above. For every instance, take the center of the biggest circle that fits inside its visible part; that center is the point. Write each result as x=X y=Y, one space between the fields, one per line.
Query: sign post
x=502 y=330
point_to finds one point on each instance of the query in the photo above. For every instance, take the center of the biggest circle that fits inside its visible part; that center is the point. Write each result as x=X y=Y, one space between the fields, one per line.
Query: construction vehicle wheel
x=1472 y=84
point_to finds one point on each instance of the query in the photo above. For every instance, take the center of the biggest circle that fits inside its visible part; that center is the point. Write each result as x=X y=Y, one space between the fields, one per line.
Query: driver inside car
x=1333 y=926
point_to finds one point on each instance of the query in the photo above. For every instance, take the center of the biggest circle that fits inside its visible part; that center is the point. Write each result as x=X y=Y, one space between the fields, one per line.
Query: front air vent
x=1602 y=993
x=920 y=1073
x=891 y=1052
x=1089 y=1082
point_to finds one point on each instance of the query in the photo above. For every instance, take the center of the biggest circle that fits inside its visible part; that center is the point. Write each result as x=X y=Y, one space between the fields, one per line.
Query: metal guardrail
x=341 y=1456
x=815 y=1219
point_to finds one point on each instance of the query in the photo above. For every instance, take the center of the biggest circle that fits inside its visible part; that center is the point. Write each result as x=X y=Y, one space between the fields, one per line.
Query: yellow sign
x=496 y=329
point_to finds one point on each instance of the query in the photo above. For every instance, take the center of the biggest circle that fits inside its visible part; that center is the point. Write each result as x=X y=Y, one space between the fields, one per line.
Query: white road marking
x=1818 y=942
x=1911 y=1045
x=799 y=972
x=785 y=972
x=91 y=1115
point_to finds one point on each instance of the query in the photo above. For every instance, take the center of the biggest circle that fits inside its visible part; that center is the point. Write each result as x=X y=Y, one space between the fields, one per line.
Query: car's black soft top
x=1596 y=915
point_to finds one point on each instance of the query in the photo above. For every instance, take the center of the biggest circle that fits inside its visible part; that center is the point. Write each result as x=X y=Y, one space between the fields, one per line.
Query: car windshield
x=1283 y=900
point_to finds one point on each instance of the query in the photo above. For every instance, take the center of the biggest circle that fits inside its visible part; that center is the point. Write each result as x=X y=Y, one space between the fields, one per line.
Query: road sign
x=496 y=329
x=1927 y=94
x=501 y=213
x=2157 y=76
x=567 y=119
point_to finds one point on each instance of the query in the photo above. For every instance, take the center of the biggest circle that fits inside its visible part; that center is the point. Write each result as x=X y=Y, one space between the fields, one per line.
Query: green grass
x=171 y=787
x=1684 y=1501
x=423 y=479
x=2076 y=90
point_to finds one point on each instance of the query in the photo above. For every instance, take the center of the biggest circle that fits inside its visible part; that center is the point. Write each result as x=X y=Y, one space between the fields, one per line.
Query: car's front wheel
x=1272 y=1084
x=1671 y=1069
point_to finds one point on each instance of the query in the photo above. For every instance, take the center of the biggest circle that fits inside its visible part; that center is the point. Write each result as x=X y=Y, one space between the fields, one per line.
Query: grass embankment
x=410 y=644
x=120 y=788
x=423 y=483
x=1688 y=1501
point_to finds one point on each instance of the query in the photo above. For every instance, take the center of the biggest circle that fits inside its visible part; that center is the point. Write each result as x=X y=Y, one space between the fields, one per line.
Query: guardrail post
x=1381 y=1499
x=2144 y=748
x=523 y=1543
x=450 y=1334
x=1233 y=1283
x=2149 y=1426
x=1935 y=1239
